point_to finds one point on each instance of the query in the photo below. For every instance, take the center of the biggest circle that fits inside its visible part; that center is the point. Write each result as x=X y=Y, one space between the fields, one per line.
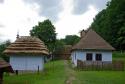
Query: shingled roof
x=92 y=41
x=27 y=45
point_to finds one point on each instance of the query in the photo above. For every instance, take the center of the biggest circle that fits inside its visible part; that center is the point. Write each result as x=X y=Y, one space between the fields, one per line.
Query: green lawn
x=119 y=56
x=54 y=74
x=57 y=73
x=102 y=77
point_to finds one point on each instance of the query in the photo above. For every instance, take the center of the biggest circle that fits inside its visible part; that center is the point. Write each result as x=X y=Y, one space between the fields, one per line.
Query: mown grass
x=119 y=56
x=102 y=77
x=54 y=73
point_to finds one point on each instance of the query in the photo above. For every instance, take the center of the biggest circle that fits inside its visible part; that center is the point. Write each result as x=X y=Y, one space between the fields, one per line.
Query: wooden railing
x=99 y=65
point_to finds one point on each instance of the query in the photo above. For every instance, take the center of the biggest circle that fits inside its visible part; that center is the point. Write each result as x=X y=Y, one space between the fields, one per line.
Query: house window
x=89 y=56
x=98 y=57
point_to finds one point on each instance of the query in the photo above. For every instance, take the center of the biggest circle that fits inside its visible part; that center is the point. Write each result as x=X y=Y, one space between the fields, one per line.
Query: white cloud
x=81 y=6
x=48 y=8
x=16 y=15
x=72 y=24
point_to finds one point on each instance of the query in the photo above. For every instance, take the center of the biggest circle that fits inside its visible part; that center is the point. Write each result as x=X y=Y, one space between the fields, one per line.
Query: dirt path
x=69 y=72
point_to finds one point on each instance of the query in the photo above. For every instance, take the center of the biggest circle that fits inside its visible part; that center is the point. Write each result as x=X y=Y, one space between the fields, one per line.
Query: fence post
x=38 y=69
x=16 y=72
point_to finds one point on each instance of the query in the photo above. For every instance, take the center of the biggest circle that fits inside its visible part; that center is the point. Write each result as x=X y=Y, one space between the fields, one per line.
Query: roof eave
x=16 y=54
x=94 y=49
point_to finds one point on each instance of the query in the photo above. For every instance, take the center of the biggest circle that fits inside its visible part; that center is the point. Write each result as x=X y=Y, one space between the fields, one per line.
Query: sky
x=68 y=16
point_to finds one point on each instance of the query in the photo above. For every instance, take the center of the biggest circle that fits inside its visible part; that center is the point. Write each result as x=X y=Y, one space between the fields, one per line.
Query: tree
x=3 y=46
x=110 y=21
x=121 y=38
x=46 y=32
x=59 y=46
x=71 y=39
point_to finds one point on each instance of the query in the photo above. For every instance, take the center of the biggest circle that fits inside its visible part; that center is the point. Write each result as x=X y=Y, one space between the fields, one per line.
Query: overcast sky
x=68 y=16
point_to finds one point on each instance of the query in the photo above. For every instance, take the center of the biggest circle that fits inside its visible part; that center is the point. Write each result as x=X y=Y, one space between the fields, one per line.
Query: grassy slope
x=54 y=74
x=102 y=77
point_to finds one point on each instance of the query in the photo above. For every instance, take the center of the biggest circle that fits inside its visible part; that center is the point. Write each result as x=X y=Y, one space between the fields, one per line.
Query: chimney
x=17 y=36
x=82 y=33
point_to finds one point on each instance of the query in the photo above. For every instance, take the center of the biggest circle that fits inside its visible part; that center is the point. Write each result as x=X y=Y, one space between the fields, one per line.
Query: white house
x=91 y=47
x=27 y=54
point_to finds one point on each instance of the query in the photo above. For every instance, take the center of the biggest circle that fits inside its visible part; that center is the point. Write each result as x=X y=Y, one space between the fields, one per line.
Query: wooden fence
x=98 y=65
